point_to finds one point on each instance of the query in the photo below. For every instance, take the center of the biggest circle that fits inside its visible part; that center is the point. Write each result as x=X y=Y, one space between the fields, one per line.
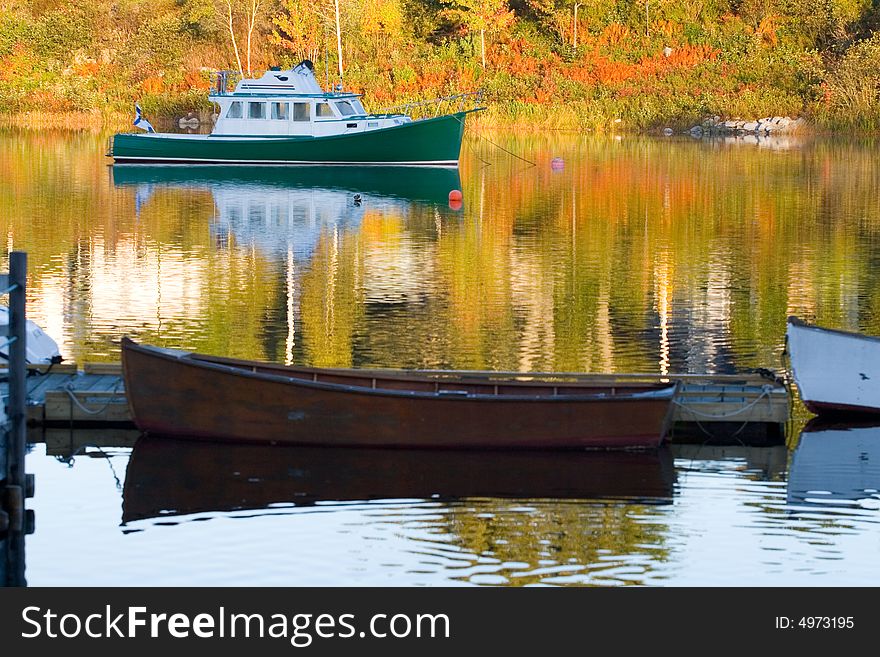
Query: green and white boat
x=285 y=117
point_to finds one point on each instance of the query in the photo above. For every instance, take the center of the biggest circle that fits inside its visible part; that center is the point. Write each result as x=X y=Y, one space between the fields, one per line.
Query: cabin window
x=301 y=112
x=234 y=111
x=358 y=107
x=279 y=111
x=345 y=108
x=256 y=110
x=322 y=110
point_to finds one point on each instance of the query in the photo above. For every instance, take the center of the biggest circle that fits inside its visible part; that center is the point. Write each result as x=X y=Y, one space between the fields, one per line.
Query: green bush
x=171 y=105
x=13 y=31
x=851 y=89
x=157 y=47
x=62 y=31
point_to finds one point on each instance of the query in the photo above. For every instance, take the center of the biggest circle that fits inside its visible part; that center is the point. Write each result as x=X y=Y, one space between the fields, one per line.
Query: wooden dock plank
x=37 y=390
x=73 y=406
x=97 y=382
x=113 y=369
x=84 y=382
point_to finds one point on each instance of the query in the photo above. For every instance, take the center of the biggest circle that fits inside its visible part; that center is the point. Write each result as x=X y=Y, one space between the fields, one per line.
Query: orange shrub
x=195 y=80
x=666 y=28
x=153 y=85
x=87 y=69
x=767 y=30
x=614 y=34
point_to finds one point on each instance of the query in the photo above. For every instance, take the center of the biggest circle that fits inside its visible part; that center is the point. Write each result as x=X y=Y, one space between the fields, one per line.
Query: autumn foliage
x=625 y=63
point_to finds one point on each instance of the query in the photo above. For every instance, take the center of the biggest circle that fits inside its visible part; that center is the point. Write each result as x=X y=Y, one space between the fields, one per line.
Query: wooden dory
x=176 y=393
x=835 y=371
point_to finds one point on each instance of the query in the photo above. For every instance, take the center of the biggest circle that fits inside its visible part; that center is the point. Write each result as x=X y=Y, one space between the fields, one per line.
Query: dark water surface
x=639 y=255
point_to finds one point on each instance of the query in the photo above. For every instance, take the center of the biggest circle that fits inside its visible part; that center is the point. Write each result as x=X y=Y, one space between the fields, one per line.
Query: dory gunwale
x=796 y=321
x=623 y=391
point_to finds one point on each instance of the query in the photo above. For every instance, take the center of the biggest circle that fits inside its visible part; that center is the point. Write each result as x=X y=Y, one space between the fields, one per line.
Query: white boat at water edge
x=836 y=464
x=41 y=349
x=836 y=372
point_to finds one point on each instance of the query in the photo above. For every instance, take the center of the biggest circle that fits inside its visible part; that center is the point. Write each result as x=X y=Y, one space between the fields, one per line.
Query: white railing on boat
x=436 y=106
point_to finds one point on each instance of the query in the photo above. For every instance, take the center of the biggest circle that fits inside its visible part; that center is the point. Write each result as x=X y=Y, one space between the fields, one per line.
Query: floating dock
x=722 y=408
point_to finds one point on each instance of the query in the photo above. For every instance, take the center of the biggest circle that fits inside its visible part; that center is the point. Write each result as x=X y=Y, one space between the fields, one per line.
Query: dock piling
x=15 y=484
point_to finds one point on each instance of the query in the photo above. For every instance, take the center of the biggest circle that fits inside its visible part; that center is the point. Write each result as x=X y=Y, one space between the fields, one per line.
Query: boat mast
x=338 y=39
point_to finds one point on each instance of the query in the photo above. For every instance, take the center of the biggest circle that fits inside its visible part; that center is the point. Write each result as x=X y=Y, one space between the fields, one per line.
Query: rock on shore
x=765 y=126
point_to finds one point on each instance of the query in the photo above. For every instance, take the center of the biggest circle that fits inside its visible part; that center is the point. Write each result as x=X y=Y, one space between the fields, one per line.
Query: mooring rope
x=82 y=450
x=70 y=390
x=765 y=392
x=519 y=157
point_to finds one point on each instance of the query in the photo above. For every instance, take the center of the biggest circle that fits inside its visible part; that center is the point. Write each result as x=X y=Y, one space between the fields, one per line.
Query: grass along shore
x=523 y=117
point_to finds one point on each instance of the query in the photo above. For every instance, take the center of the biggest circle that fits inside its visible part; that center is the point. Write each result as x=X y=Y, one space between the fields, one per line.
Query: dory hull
x=835 y=371
x=168 y=476
x=432 y=142
x=176 y=394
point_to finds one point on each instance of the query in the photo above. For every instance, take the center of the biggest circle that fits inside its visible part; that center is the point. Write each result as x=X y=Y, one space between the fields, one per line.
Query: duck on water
x=285 y=117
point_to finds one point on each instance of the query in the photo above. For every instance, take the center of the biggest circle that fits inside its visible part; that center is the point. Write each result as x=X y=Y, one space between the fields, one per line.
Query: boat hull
x=432 y=142
x=836 y=372
x=175 y=394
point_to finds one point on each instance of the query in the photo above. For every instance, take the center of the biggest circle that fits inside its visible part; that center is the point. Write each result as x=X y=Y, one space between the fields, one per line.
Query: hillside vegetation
x=594 y=64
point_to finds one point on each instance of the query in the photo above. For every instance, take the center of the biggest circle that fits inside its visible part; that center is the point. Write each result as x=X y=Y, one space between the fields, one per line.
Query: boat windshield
x=358 y=107
x=345 y=108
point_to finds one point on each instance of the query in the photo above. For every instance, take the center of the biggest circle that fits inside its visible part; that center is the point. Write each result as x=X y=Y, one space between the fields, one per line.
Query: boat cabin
x=292 y=103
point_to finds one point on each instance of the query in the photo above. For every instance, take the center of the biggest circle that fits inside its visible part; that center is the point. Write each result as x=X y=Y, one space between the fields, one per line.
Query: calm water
x=665 y=255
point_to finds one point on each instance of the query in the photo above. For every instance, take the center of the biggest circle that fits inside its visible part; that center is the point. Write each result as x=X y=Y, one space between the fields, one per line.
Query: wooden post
x=16 y=410
x=14 y=483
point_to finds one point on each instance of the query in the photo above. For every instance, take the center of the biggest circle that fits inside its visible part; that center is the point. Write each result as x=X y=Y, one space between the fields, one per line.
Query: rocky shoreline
x=770 y=125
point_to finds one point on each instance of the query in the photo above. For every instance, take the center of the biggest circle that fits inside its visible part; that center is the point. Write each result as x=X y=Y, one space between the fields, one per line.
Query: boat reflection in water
x=168 y=477
x=836 y=465
x=282 y=211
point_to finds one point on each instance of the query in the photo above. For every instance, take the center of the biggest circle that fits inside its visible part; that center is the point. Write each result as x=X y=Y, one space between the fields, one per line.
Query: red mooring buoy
x=455 y=195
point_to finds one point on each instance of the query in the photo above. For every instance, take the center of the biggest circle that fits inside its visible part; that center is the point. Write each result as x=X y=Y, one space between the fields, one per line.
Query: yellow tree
x=483 y=16
x=230 y=7
x=299 y=29
x=381 y=21
x=562 y=15
x=299 y=22
x=253 y=11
